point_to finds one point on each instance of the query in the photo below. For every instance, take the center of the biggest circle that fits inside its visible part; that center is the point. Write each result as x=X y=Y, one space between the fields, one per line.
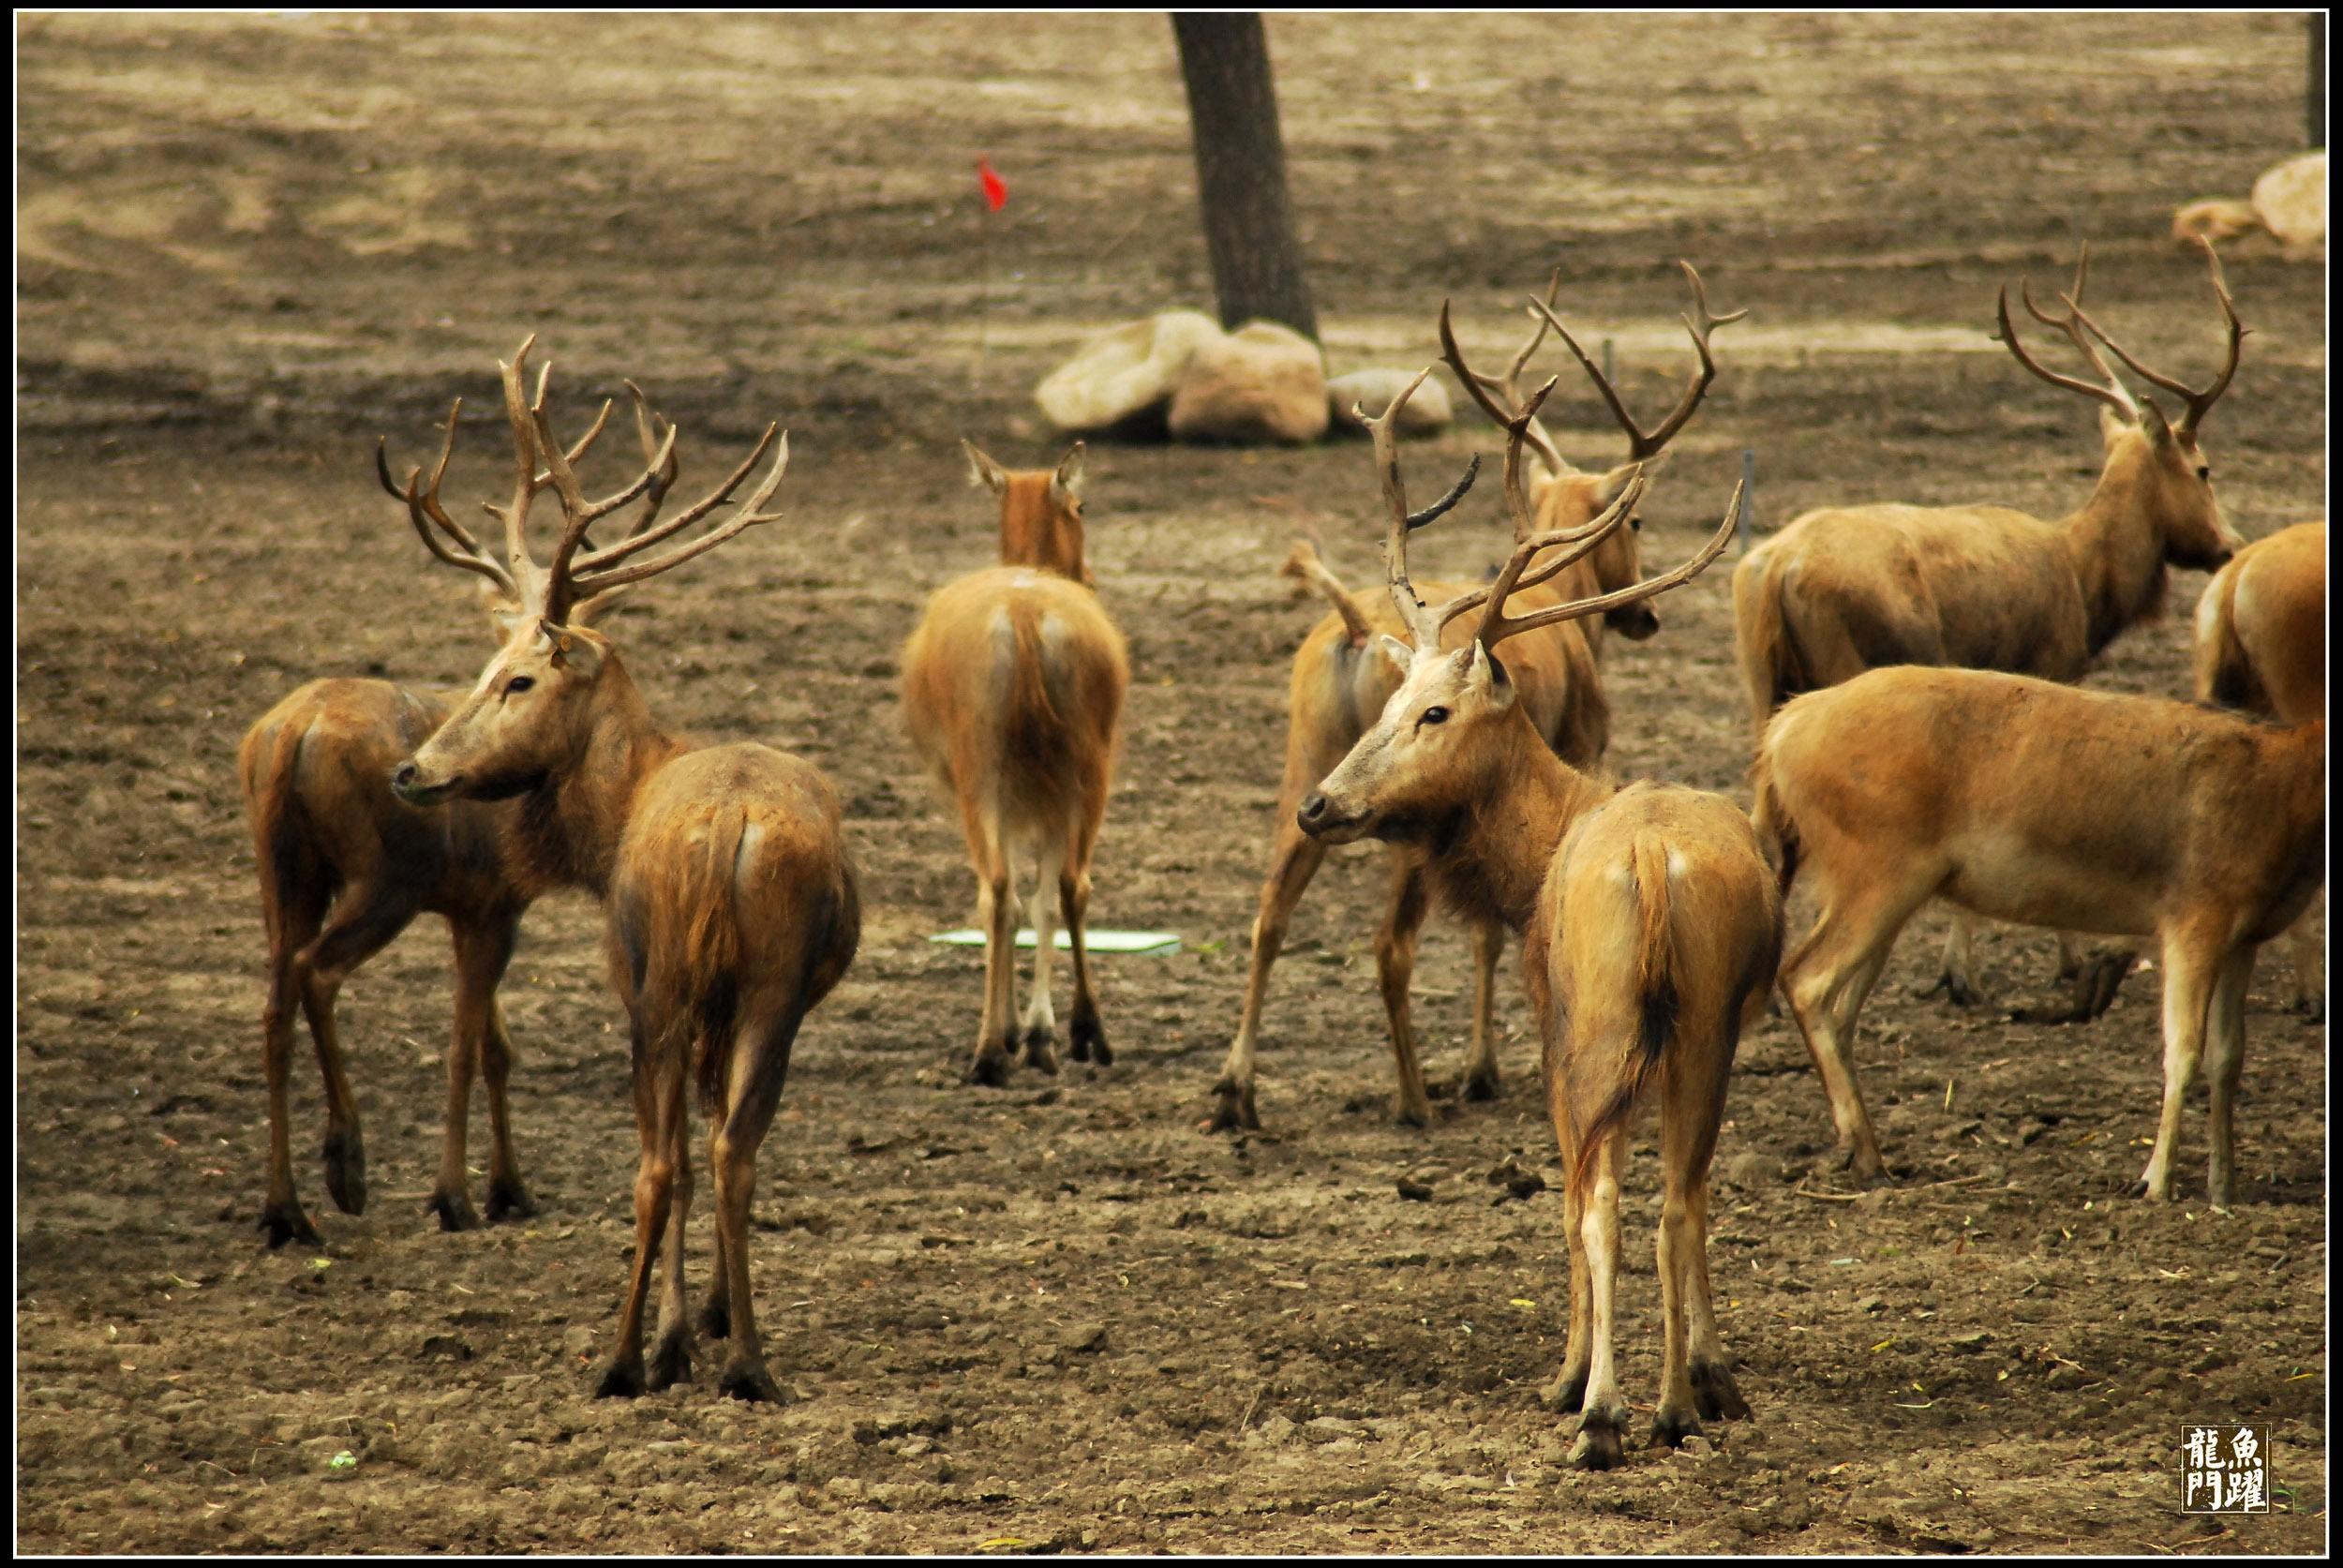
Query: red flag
x=996 y=188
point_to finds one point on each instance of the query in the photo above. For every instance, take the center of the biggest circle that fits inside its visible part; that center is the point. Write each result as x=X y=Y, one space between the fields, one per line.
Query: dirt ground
x=1062 y=1317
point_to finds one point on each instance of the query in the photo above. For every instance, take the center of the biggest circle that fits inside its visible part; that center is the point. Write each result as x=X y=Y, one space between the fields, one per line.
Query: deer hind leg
x=362 y=923
x=1480 y=1077
x=481 y=954
x=1395 y=966
x=1695 y=1376
x=671 y=1358
x=1041 y=1020
x=760 y=1064
x=2224 y=1065
x=1604 y=1413
x=1568 y=1391
x=295 y=912
x=2191 y=974
x=1827 y=982
x=1292 y=863
x=659 y=1114
x=1086 y=1031
x=996 y=906
x=2307 y=992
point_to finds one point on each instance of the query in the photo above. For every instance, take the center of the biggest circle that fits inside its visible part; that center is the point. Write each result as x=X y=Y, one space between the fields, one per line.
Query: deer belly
x=2010 y=876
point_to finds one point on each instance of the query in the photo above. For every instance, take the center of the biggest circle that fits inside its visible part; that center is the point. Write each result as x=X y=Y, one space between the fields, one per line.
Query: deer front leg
x=1087 y=1030
x=2225 y=1064
x=1488 y=946
x=480 y=955
x=1958 y=979
x=2189 y=975
x=1395 y=966
x=508 y=1194
x=281 y=1216
x=2307 y=990
x=1295 y=861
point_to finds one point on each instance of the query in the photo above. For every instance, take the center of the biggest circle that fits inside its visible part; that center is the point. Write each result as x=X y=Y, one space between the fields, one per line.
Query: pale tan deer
x=1649 y=932
x=733 y=908
x=2028 y=800
x=1844 y=590
x=1013 y=684
x=1342 y=677
x=345 y=867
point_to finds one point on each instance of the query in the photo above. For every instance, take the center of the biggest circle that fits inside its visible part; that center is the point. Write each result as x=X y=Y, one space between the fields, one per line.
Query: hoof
x=1956 y=989
x=1863 y=1166
x=2145 y=1188
x=346 y=1170
x=1598 y=1446
x=1669 y=1428
x=455 y=1212
x=1234 y=1112
x=990 y=1070
x=1718 y=1397
x=1482 y=1085
x=622 y=1379
x=671 y=1363
x=1041 y=1050
x=285 y=1222
x=749 y=1381
x=1088 y=1037
x=1418 y=1114
x=510 y=1201
x=1565 y=1393
x=716 y=1319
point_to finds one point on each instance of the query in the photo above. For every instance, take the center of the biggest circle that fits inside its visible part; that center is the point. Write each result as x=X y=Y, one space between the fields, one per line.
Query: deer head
x=1447 y=738
x=1041 y=513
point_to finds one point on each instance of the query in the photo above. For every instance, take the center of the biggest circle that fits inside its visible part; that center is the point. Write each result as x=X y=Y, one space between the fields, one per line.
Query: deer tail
x=1624 y=1074
x=1308 y=570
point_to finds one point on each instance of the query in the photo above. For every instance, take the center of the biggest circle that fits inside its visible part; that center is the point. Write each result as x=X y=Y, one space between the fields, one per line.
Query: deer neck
x=2118 y=553
x=571 y=823
x=1490 y=859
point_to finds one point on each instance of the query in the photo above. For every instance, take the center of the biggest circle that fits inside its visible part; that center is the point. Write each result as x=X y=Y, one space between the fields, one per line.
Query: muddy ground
x=1063 y=1315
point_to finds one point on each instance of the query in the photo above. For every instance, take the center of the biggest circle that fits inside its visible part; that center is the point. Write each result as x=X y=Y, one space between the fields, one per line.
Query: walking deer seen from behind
x=1649 y=931
x=732 y=906
x=345 y=867
x=1013 y=686
x=1845 y=589
x=1343 y=674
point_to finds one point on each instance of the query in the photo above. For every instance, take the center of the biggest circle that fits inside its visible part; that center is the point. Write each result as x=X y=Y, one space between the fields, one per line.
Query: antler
x=1642 y=443
x=2198 y=403
x=431 y=520
x=2113 y=393
x=1484 y=390
x=1403 y=595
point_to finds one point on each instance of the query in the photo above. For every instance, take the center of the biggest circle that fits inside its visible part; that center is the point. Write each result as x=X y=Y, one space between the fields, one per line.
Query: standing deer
x=1649 y=932
x=1343 y=675
x=2027 y=801
x=1012 y=684
x=733 y=908
x=1845 y=589
x=345 y=867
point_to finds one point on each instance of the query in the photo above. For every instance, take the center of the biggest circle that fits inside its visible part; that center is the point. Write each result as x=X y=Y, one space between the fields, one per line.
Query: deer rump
x=1014 y=680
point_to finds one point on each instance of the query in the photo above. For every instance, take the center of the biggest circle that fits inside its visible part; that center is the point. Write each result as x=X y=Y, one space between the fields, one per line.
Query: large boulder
x=1373 y=391
x=1262 y=382
x=1125 y=373
x=2291 y=201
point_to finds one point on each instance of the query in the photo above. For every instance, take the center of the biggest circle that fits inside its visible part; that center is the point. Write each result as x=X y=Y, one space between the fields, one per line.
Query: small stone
x=1415 y=1191
x=1871 y=1303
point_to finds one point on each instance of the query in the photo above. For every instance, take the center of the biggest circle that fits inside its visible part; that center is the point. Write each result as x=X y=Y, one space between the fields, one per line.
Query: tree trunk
x=1241 y=171
x=2317 y=100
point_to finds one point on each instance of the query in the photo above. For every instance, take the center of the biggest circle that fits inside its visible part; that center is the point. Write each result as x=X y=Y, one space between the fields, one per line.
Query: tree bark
x=1241 y=171
x=2316 y=98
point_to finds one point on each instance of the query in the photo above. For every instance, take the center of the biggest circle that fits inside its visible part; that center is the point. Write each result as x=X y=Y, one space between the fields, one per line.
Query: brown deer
x=1845 y=589
x=345 y=867
x=733 y=908
x=1343 y=676
x=2023 y=799
x=1649 y=932
x=1013 y=682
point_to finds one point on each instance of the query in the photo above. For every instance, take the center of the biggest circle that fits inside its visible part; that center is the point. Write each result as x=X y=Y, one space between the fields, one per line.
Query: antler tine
x=2112 y=393
x=1384 y=428
x=1479 y=386
x=751 y=512
x=520 y=414
x=1512 y=384
x=429 y=519
x=1496 y=625
x=1512 y=578
x=647 y=425
x=1517 y=504
x=2196 y=402
x=1642 y=443
x=642 y=537
x=584 y=443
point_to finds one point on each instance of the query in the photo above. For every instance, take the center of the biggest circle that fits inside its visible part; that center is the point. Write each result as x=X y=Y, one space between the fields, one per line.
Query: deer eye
x=1634 y=525
x=518 y=684
x=2204 y=472
x=1434 y=716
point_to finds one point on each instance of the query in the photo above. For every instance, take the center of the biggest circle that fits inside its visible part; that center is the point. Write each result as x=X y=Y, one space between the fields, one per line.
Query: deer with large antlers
x=345 y=867
x=1344 y=673
x=1013 y=685
x=1845 y=589
x=1649 y=918
x=733 y=908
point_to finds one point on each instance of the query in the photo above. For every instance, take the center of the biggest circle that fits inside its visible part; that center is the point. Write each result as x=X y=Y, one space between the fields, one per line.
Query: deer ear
x=504 y=613
x=587 y=611
x=2152 y=423
x=1067 y=482
x=1398 y=654
x=984 y=470
x=1488 y=676
x=1616 y=481
x=2113 y=427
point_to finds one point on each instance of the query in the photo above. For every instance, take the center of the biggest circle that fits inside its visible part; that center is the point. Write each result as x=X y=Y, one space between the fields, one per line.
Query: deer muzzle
x=408 y=783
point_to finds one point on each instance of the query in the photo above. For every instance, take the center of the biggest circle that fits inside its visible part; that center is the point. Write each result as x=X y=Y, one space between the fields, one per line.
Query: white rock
x=1373 y=390
x=1126 y=371
x=2291 y=200
x=1262 y=382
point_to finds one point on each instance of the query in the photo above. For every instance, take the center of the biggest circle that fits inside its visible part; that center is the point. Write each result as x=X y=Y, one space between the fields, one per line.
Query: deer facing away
x=1013 y=685
x=733 y=908
x=1649 y=931
x=345 y=867
x=1345 y=671
x=1844 y=590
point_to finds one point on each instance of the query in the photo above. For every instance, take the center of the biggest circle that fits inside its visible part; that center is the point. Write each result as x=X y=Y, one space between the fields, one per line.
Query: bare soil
x=1062 y=1315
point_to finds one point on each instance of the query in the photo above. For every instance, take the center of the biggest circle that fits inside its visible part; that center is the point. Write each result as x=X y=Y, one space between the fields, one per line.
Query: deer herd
x=1909 y=672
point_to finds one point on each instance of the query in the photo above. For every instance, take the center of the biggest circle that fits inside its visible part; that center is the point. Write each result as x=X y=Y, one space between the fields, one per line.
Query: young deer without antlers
x=1343 y=675
x=732 y=908
x=345 y=867
x=1649 y=931
x=1845 y=589
x=1012 y=684
x=2028 y=800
